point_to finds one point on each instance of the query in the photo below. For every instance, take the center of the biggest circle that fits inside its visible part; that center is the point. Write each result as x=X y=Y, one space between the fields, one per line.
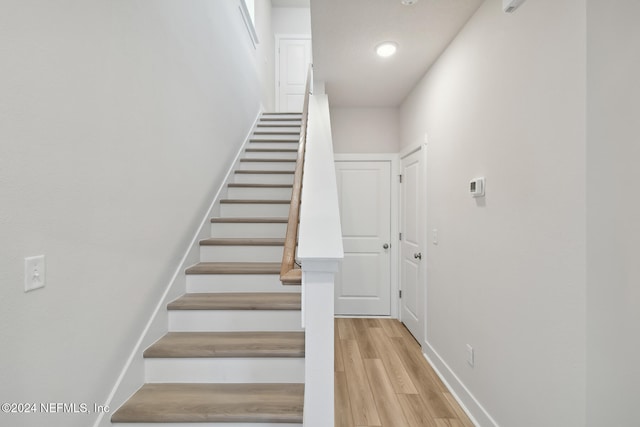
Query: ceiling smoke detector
x=386 y=49
x=408 y=2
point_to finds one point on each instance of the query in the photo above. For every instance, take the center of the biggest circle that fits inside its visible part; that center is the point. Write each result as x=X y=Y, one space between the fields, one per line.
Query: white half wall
x=613 y=210
x=118 y=121
x=506 y=101
x=365 y=130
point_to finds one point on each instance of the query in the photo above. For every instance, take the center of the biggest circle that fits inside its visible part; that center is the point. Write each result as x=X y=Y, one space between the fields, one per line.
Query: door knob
x=417 y=255
x=385 y=246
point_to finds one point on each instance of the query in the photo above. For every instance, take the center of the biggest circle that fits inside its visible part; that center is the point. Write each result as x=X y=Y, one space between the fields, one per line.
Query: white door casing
x=293 y=56
x=363 y=284
x=412 y=255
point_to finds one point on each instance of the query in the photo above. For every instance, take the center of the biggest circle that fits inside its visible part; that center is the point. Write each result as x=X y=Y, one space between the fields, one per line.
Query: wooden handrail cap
x=292 y=277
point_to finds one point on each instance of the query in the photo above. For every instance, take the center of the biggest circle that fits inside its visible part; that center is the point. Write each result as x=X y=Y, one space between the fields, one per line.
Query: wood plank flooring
x=382 y=379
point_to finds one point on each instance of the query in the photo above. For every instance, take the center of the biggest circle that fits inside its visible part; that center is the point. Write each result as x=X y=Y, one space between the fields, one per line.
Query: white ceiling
x=345 y=33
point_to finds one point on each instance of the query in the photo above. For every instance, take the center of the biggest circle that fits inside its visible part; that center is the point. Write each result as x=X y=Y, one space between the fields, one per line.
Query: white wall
x=365 y=130
x=265 y=53
x=613 y=230
x=507 y=101
x=118 y=121
x=291 y=20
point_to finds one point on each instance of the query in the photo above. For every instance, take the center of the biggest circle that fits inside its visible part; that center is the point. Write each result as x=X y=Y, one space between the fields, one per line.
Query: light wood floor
x=382 y=379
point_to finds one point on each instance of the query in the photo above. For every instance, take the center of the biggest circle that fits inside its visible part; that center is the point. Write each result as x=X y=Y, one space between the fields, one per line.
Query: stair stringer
x=132 y=376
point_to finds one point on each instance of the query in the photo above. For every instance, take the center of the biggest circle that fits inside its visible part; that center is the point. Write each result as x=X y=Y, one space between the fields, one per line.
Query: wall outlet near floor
x=34 y=273
x=470 y=356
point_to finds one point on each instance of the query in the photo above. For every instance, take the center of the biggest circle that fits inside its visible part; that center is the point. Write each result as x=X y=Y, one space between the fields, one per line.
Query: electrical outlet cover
x=34 y=273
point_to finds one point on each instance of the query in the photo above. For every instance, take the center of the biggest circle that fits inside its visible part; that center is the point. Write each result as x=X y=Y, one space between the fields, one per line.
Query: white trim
x=366 y=157
x=277 y=39
x=248 y=22
x=422 y=148
x=364 y=316
x=394 y=159
x=469 y=404
x=153 y=324
x=410 y=150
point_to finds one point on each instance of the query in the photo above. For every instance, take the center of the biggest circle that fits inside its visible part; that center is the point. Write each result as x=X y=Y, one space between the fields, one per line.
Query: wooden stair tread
x=234 y=268
x=249 y=160
x=247 y=220
x=276 y=132
x=280 y=119
x=227 y=344
x=257 y=185
x=288 y=113
x=232 y=403
x=255 y=201
x=242 y=241
x=265 y=172
x=270 y=150
x=238 y=301
x=292 y=141
x=278 y=125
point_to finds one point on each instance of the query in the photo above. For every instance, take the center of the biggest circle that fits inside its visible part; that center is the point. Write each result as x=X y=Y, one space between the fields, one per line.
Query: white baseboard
x=131 y=377
x=469 y=404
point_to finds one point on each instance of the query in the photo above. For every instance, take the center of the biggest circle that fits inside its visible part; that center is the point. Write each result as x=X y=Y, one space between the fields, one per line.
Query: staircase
x=234 y=353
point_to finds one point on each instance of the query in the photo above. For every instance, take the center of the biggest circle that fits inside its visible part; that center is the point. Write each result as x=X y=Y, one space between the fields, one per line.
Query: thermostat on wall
x=476 y=187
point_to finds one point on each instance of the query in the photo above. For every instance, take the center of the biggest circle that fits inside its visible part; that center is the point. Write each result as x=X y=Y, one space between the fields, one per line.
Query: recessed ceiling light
x=409 y=2
x=386 y=49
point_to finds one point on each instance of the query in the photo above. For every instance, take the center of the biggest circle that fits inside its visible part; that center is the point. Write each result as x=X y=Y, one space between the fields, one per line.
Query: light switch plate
x=34 y=273
x=470 y=355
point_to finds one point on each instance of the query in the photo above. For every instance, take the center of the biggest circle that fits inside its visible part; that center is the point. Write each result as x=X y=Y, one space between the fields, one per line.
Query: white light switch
x=34 y=273
x=434 y=236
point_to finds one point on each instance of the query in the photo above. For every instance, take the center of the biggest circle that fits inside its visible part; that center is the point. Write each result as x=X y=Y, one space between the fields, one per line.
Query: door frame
x=423 y=205
x=394 y=160
x=278 y=39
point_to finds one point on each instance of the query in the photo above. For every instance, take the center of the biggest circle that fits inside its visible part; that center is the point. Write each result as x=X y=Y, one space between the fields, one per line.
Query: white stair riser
x=233 y=229
x=277 y=137
x=287 y=145
x=279 y=129
x=289 y=122
x=259 y=193
x=225 y=370
x=241 y=253
x=267 y=166
x=211 y=283
x=254 y=209
x=207 y=425
x=283 y=121
x=261 y=178
x=234 y=320
x=271 y=154
x=294 y=116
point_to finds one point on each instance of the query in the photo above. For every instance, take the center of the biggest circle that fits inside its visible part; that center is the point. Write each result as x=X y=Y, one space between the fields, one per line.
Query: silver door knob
x=417 y=256
x=385 y=246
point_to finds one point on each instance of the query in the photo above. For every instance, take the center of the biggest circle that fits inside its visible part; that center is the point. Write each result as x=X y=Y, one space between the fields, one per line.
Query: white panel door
x=412 y=259
x=363 y=284
x=294 y=57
